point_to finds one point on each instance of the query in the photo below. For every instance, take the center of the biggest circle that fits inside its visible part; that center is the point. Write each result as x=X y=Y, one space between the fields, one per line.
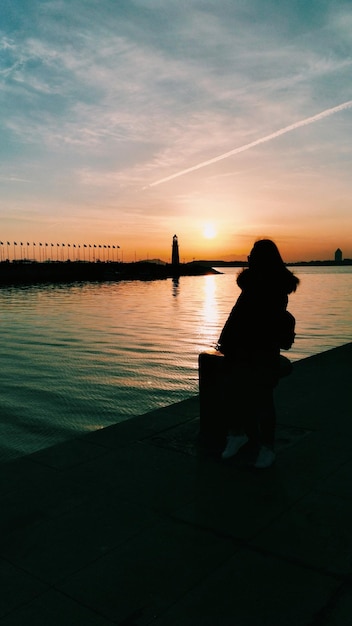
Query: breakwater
x=22 y=272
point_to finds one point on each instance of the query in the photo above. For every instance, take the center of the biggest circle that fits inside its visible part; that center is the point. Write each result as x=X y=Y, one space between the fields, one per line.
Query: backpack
x=287 y=333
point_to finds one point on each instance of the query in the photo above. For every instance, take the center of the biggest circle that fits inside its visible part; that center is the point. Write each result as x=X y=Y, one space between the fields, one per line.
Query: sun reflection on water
x=210 y=305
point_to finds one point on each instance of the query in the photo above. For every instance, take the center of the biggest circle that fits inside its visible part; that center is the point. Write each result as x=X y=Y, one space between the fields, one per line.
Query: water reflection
x=210 y=301
x=208 y=318
x=175 y=286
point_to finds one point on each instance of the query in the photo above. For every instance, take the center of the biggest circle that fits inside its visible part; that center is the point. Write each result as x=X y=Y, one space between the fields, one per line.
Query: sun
x=209 y=231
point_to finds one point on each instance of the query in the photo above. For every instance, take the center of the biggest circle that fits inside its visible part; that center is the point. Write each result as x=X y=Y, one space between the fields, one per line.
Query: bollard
x=213 y=425
x=212 y=412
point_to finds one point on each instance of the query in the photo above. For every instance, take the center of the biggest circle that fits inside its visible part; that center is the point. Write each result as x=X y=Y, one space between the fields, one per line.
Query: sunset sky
x=124 y=122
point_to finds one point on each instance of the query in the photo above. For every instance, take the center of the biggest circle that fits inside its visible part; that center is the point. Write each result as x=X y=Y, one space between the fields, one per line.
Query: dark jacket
x=253 y=326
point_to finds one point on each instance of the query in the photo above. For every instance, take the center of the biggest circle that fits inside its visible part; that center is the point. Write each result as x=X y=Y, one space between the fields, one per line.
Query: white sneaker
x=234 y=443
x=265 y=458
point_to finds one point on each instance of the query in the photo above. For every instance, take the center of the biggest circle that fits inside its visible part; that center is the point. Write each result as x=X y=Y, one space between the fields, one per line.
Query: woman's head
x=266 y=265
x=265 y=256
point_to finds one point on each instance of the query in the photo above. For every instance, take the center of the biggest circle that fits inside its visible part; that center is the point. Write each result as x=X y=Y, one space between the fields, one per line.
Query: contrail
x=257 y=142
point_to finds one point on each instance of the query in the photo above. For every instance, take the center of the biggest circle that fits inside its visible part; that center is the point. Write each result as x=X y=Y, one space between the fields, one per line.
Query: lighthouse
x=175 y=259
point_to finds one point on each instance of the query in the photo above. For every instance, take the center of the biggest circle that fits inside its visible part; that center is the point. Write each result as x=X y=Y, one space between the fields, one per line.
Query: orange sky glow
x=126 y=123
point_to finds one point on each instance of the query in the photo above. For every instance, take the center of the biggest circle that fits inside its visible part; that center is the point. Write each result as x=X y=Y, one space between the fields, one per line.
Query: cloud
x=257 y=142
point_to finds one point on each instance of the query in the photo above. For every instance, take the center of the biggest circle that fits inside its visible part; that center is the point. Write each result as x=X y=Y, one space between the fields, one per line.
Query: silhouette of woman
x=251 y=344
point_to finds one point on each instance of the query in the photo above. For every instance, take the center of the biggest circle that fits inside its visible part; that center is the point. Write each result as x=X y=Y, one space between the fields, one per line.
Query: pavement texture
x=136 y=524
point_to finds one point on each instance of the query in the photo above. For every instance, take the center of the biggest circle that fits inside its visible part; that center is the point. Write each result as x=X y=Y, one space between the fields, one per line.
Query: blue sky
x=101 y=101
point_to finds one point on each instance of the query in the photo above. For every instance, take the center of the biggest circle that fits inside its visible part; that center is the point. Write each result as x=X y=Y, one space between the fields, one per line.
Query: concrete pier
x=136 y=525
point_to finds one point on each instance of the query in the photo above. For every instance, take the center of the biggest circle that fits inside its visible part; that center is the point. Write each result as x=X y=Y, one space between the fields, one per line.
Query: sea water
x=79 y=357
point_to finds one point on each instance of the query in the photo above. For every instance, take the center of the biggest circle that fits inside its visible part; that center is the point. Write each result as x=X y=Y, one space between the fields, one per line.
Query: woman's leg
x=266 y=424
x=235 y=411
x=267 y=418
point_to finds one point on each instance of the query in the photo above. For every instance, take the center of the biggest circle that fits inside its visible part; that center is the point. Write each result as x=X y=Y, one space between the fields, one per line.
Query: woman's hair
x=265 y=261
x=264 y=256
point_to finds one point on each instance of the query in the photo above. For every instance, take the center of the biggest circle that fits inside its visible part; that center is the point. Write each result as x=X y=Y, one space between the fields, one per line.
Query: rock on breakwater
x=22 y=272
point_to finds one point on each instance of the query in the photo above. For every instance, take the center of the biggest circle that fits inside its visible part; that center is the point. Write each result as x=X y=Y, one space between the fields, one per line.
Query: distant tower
x=175 y=254
x=338 y=256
